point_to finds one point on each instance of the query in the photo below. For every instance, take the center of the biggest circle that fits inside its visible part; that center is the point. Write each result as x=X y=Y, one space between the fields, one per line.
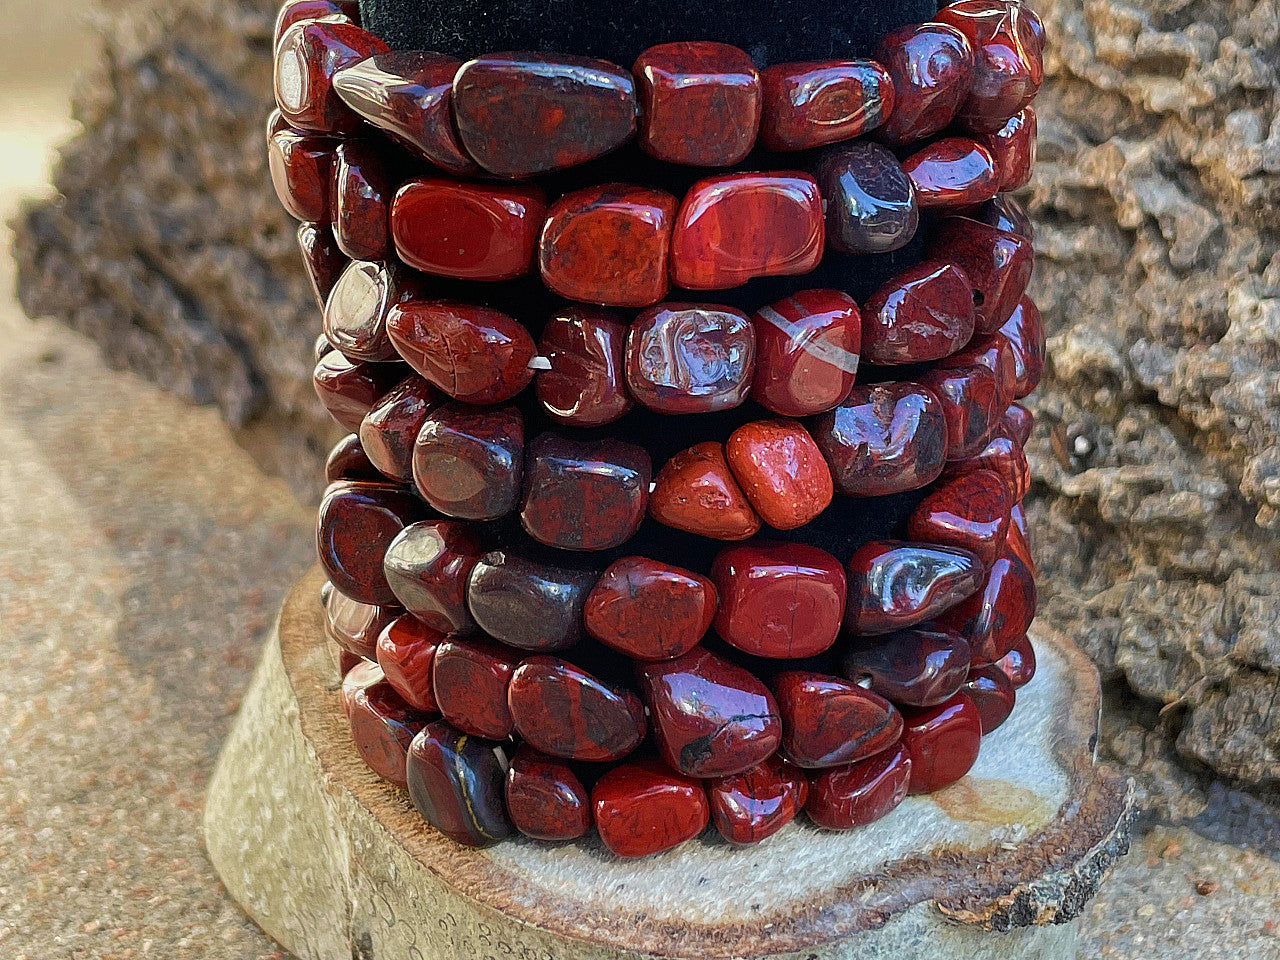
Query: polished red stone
x=711 y=718
x=782 y=600
x=406 y=652
x=746 y=807
x=474 y=354
x=1006 y=213
x=320 y=347
x=350 y=390
x=355 y=626
x=931 y=66
x=521 y=114
x=870 y=201
x=996 y=617
x=609 y=245
x=807 y=348
x=468 y=461
x=348 y=661
x=361 y=215
x=357 y=523
x=917 y=666
x=1019 y=664
x=585 y=385
x=322 y=261
x=943 y=742
x=301 y=169
x=362 y=674
x=1014 y=149
x=695 y=491
x=781 y=471
x=347 y=461
x=355 y=314
x=306 y=58
x=819 y=102
x=690 y=358
x=924 y=313
x=894 y=584
x=644 y=808
x=992 y=693
x=566 y=712
x=970 y=401
x=737 y=226
x=427 y=567
x=529 y=605
x=1019 y=421
x=1004 y=456
x=296 y=11
x=1008 y=42
x=650 y=610
x=995 y=352
x=407 y=94
x=390 y=428
x=545 y=798
x=1025 y=332
x=699 y=103
x=457 y=783
x=469 y=679
x=997 y=263
x=970 y=511
x=1018 y=540
x=885 y=438
x=842 y=798
x=382 y=727
x=827 y=722
x=953 y=172
x=584 y=495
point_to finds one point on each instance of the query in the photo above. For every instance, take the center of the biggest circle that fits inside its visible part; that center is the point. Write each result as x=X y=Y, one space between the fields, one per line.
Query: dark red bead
x=347 y=461
x=521 y=114
x=699 y=103
x=688 y=358
x=1019 y=421
x=996 y=617
x=406 y=653
x=382 y=727
x=457 y=783
x=970 y=400
x=885 y=438
x=355 y=315
x=996 y=353
x=1004 y=456
x=532 y=606
x=296 y=11
x=970 y=511
x=469 y=679
x=953 y=172
x=846 y=797
x=749 y=806
x=781 y=600
x=695 y=491
x=1006 y=213
x=893 y=584
x=650 y=610
x=545 y=798
x=302 y=172
x=427 y=566
x=1014 y=148
x=584 y=495
x=468 y=461
x=819 y=102
x=1019 y=664
x=870 y=201
x=1008 y=42
x=711 y=718
x=644 y=808
x=361 y=217
x=609 y=245
x=917 y=667
x=1018 y=539
x=355 y=626
x=357 y=523
x=781 y=471
x=943 y=743
x=586 y=350
x=997 y=263
x=931 y=66
x=827 y=722
x=321 y=259
x=924 y=313
x=474 y=354
x=1025 y=332
x=350 y=390
x=306 y=58
x=359 y=676
x=566 y=712
x=390 y=428
x=807 y=348
x=992 y=693
x=737 y=226
x=348 y=661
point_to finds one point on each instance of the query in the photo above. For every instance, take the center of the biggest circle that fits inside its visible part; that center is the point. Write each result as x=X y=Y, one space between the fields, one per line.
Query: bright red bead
x=427 y=566
x=1008 y=42
x=1014 y=149
x=943 y=743
x=468 y=461
x=585 y=385
x=807 y=348
x=917 y=666
x=1025 y=332
x=644 y=808
x=382 y=727
x=321 y=258
x=545 y=798
x=997 y=263
x=749 y=806
x=893 y=584
x=781 y=471
x=361 y=218
x=357 y=523
x=355 y=626
x=810 y=104
x=846 y=797
x=301 y=169
x=827 y=722
x=306 y=58
x=566 y=712
x=469 y=679
x=1019 y=664
x=650 y=610
x=390 y=428
x=406 y=652
x=931 y=66
x=996 y=617
x=924 y=313
x=690 y=358
x=992 y=693
x=695 y=491
x=953 y=172
x=970 y=400
x=970 y=511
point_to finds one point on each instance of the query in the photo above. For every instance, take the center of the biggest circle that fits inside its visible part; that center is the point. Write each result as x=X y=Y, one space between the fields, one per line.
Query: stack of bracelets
x=688 y=499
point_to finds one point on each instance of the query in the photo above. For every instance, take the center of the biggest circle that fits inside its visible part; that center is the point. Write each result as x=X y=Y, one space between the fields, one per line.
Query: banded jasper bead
x=406 y=652
x=650 y=610
x=827 y=722
x=924 y=313
x=998 y=264
x=811 y=104
x=564 y=711
x=528 y=605
x=970 y=511
x=468 y=461
x=470 y=679
x=749 y=806
x=1025 y=331
x=846 y=797
x=457 y=784
x=355 y=626
x=992 y=693
x=355 y=314
x=643 y=808
x=943 y=743
x=807 y=348
x=427 y=566
x=1014 y=148
x=357 y=523
x=545 y=798
x=931 y=66
x=953 y=172
x=781 y=470
x=917 y=666
x=689 y=358
x=695 y=491
x=970 y=401
x=893 y=584
x=870 y=202
x=586 y=350
x=322 y=261
x=308 y=55
x=383 y=727
x=301 y=169
x=1008 y=42
x=362 y=211
x=390 y=428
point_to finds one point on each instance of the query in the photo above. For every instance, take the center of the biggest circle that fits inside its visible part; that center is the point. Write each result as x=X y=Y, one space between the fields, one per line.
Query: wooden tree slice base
x=335 y=864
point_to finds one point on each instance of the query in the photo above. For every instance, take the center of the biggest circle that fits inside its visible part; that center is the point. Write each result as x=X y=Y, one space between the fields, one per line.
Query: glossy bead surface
x=970 y=512
x=457 y=783
x=953 y=172
x=468 y=461
x=870 y=202
x=827 y=722
x=1025 y=332
x=650 y=610
x=1004 y=456
x=1006 y=213
x=545 y=798
x=943 y=743
x=306 y=58
x=695 y=491
x=781 y=470
x=302 y=173
x=469 y=679
x=931 y=66
x=815 y=103
x=382 y=727
x=528 y=605
x=995 y=618
x=347 y=461
x=521 y=114
x=885 y=438
x=699 y=103
x=361 y=215
x=995 y=352
x=807 y=349
x=918 y=666
x=355 y=626
x=355 y=314
x=406 y=652
x=350 y=390
x=997 y=263
x=322 y=261
x=992 y=693
x=1019 y=421
x=924 y=313
x=566 y=712
x=357 y=523
x=427 y=567
x=296 y=11
x=1007 y=41
x=970 y=400
x=846 y=797
x=894 y=584
x=711 y=718
x=689 y=358
x=585 y=385
x=1018 y=539
x=734 y=227
x=390 y=428
x=781 y=600
x=643 y=808
x=1014 y=148
x=1019 y=664
x=746 y=807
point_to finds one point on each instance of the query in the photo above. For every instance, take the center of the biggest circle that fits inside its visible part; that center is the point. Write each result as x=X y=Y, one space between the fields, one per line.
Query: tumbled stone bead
x=970 y=511
x=457 y=784
x=474 y=354
x=586 y=350
x=781 y=471
x=827 y=722
x=997 y=263
x=470 y=679
x=852 y=796
x=894 y=584
x=970 y=400
x=931 y=66
x=953 y=172
x=995 y=352
x=361 y=215
x=737 y=226
x=695 y=491
x=566 y=712
x=358 y=676
x=1019 y=664
x=468 y=461
x=650 y=610
x=1014 y=148
x=302 y=173
x=885 y=438
x=1007 y=41
x=782 y=600
x=350 y=390
x=918 y=666
x=390 y=428
x=320 y=347
x=532 y=606
x=355 y=626
x=746 y=807
x=355 y=314
x=297 y=11
x=407 y=95
x=689 y=358
x=1018 y=539
x=521 y=114
x=924 y=313
x=306 y=58
x=992 y=693
x=406 y=652
x=584 y=495
x=1025 y=332
x=643 y=808
x=1006 y=213
x=807 y=348
x=545 y=798
x=608 y=245
x=347 y=661
x=1004 y=456
x=322 y=261
x=357 y=523
x=942 y=741
x=870 y=202
x=382 y=728
x=347 y=461
x=427 y=566
x=819 y=102
x=699 y=103
x=994 y=618
x=1019 y=421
